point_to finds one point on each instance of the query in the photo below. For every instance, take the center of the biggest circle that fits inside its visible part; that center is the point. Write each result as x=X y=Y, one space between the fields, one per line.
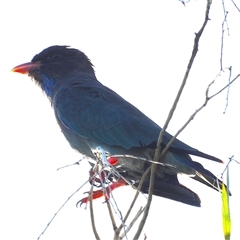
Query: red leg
x=101 y=193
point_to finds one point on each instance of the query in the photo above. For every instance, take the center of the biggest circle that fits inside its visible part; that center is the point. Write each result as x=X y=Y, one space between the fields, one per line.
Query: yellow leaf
x=226 y=214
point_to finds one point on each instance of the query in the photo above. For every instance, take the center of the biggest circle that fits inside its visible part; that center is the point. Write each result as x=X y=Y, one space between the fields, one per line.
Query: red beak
x=26 y=67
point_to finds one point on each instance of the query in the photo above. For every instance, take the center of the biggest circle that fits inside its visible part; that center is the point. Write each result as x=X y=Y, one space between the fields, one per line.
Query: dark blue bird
x=91 y=115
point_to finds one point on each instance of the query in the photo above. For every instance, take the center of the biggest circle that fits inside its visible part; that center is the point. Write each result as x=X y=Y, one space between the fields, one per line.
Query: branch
x=92 y=215
x=225 y=20
x=224 y=87
x=230 y=160
x=160 y=138
x=60 y=210
x=230 y=74
x=134 y=200
x=132 y=222
x=111 y=215
x=69 y=165
x=235 y=5
x=207 y=98
x=118 y=230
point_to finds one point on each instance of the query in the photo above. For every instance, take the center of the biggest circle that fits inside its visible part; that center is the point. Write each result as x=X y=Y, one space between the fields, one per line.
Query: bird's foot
x=105 y=191
x=99 y=178
x=98 y=181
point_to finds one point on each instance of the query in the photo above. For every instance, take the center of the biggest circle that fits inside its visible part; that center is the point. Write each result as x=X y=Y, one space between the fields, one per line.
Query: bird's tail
x=207 y=178
x=170 y=188
x=207 y=156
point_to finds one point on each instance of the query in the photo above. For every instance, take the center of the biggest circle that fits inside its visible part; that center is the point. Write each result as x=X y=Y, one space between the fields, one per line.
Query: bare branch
x=132 y=222
x=230 y=160
x=134 y=199
x=224 y=87
x=60 y=210
x=160 y=138
x=207 y=98
x=69 y=165
x=225 y=14
x=111 y=216
x=238 y=162
x=92 y=215
x=222 y=43
x=230 y=75
x=235 y=5
x=221 y=56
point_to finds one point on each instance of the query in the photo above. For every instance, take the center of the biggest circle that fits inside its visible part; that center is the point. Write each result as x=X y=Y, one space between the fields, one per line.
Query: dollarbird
x=92 y=115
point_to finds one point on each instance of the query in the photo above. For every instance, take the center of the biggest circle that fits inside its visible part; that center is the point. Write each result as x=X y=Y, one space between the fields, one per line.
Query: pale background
x=141 y=50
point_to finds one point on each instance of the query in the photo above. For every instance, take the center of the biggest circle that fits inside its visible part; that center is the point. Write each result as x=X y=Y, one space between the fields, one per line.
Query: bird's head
x=53 y=65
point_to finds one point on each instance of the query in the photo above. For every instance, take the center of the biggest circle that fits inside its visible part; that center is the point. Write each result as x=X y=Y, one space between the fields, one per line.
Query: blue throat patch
x=48 y=84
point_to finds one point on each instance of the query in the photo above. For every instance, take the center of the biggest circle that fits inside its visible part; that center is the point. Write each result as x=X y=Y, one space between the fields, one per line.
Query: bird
x=92 y=116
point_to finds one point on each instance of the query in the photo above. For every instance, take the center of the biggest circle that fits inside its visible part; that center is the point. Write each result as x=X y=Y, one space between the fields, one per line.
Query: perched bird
x=91 y=115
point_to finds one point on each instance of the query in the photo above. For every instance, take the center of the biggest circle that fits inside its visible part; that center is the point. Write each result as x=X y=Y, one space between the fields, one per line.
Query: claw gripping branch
x=101 y=181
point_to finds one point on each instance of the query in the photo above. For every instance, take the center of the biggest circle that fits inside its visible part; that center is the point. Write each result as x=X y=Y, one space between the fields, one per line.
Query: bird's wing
x=95 y=112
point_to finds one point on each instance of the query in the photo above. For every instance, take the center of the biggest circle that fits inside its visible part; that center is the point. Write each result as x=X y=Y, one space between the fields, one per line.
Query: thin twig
x=134 y=199
x=111 y=216
x=238 y=162
x=69 y=165
x=225 y=13
x=207 y=98
x=101 y=169
x=229 y=79
x=65 y=201
x=235 y=5
x=225 y=87
x=223 y=23
x=132 y=222
x=160 y=138
x=92 y=215
x=230 y=160
x=60 y=210
x=141 y=159
x=116 y=233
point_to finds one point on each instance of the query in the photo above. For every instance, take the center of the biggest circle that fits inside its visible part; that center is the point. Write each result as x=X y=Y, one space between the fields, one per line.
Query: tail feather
x=204 y=155
x=206 y=177
x=170 y=188
x=215 y=184
x=197 y=153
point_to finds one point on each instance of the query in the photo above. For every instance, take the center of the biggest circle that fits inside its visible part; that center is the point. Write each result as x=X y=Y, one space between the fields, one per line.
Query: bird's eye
x=55 y=55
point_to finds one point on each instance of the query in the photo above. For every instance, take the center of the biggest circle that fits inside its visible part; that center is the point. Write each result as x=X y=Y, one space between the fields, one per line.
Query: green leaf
x=226 y=213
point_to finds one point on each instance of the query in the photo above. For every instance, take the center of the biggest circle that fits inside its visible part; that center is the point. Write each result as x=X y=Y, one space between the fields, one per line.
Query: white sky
x=141 y=50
